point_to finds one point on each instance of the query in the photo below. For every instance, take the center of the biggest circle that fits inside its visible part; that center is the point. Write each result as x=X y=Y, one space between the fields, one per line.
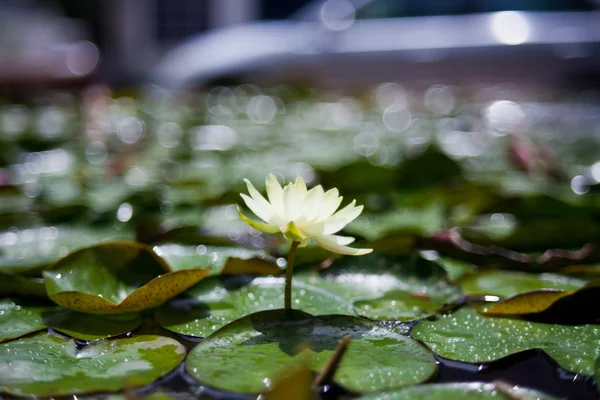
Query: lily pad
x=272 y=341
x=384 y=287
x=116 y=278
x=467 y=336
x=211 y=304
x=574 y=302
x=31 y=250
x=457 y=391
x=510 y=283
x=88 y=326
x=12 y=284
x=418 y=222
x=59 y=369
x=17 y=320
x=223 y=260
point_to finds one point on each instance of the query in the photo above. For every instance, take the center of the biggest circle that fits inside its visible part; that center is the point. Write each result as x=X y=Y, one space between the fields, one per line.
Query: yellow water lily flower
x=302 y=215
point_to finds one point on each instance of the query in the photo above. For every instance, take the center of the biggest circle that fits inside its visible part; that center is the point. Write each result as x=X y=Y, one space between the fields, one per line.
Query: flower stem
x=288 y=275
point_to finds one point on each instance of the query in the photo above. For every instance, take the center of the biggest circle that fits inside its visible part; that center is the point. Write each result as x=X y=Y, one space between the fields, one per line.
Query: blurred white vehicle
x=351 y=42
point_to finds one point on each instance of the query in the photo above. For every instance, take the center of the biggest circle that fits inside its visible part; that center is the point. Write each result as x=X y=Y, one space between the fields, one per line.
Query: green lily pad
x=223 y=260
x=398 y=305
x=247 y=354
x=597 y=373
x=116 y=278
x=467 y=336
x=210 y=305
x=17 y=320
x=31 y=250
x=510 y=283
x=419 y=222
x=88 y=326
x=457 y=391
x=383 y=287
x=58 y=368
x=17 y=285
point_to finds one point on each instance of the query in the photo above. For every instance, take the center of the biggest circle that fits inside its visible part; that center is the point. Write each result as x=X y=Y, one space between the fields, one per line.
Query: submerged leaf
x=271 y=341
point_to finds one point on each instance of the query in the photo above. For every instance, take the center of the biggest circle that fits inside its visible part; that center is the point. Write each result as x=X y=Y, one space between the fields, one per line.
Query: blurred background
x=143 y=116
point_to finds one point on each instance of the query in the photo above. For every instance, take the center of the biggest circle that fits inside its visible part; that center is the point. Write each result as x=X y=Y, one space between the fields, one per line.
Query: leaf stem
x=332 y=365
x=288 y=275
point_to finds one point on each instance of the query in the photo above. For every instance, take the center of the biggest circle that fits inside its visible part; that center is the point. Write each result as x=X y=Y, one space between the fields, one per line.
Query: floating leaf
x=597 y=373
x=58 y=368
x=88 y=326
x=384 y=287
x=398 y=305
x=574 y=302
x=510 y=283
x=32 y=250
x=223 y=260
x=210 y=304
x=17 y=320
x=12 y=284
x=116 y=278
x=467 y=336
x=457 y=391
x=411 y=221
x=271 y=341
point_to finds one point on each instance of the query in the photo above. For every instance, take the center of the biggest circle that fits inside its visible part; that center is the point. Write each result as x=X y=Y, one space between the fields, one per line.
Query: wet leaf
x=384 y=287
x=220 y=260
x=31 y=250
x=537 y=301
x=467 y=336
x=510 y=283
x=89 y=326
x=17 y=320
x=116 y=278
x=457 y=391
x=213 y=303
x=398 y=305
x=271 y=341
x=407 y=221
x=12 y=284
x=597 y=373
x=58 y=368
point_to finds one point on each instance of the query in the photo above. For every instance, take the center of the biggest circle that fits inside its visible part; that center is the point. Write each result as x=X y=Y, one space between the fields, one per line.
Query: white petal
x=260 y=209
x=335 y=244
x=275 y=194
x=292 y=203
x=331 y=202
x=300 y=187
x=313 y=202
x=341 y=218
